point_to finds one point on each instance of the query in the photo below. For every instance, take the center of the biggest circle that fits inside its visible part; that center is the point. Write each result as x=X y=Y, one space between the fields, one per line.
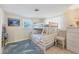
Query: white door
x=1 y=20
x=0 y=33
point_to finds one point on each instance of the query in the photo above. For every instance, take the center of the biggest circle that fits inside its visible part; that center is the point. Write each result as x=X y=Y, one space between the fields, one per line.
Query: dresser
x=73 y=39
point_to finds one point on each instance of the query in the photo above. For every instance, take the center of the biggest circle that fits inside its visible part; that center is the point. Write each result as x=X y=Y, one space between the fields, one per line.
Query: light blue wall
x=27 y=25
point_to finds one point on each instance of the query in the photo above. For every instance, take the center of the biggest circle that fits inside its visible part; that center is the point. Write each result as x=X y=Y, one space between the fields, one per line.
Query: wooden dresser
x=73 y=39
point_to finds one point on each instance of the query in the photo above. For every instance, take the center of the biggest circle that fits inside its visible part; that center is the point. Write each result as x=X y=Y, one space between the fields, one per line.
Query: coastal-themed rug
x=22 y=47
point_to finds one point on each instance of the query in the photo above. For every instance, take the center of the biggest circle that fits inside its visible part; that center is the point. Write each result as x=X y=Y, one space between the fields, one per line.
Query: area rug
x=22 y=47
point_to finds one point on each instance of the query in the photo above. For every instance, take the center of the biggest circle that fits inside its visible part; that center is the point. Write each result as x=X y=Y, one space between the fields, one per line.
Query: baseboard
x=15 y=41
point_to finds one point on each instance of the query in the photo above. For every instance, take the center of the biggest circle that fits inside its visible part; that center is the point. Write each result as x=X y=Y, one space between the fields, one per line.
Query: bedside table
x=60 y=42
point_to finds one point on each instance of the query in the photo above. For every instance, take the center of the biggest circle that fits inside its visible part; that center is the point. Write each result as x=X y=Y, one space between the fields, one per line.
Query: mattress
x=37 y=37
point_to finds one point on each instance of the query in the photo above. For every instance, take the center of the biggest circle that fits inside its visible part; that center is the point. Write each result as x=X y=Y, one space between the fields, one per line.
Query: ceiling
x=27 y=10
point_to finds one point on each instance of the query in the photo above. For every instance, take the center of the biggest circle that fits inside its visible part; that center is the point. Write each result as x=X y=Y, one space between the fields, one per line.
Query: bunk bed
x=43 y=35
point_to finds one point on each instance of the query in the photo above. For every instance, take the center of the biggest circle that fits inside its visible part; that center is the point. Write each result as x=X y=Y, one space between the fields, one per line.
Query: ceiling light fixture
x=36 y=10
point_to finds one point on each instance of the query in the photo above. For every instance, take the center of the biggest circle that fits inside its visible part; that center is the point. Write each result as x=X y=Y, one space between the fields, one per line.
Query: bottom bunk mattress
x=43 y=41
x=37 y=37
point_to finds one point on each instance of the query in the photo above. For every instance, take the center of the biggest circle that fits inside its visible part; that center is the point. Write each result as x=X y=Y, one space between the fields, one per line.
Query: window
x=56 y=19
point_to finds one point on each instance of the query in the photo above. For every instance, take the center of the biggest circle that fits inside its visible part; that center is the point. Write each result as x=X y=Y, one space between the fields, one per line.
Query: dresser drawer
x=73 y=37
x=73 y=48
x=76 y=40
x=75 y=44
x=73 y=30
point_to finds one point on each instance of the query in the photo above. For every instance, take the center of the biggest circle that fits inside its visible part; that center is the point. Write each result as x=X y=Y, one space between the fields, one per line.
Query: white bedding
x=37 y=37
x=43 y=41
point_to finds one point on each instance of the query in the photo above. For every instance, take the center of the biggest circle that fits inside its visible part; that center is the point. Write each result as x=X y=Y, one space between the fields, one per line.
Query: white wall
x=70 y=18
x=15 y=33
x=37 y=20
